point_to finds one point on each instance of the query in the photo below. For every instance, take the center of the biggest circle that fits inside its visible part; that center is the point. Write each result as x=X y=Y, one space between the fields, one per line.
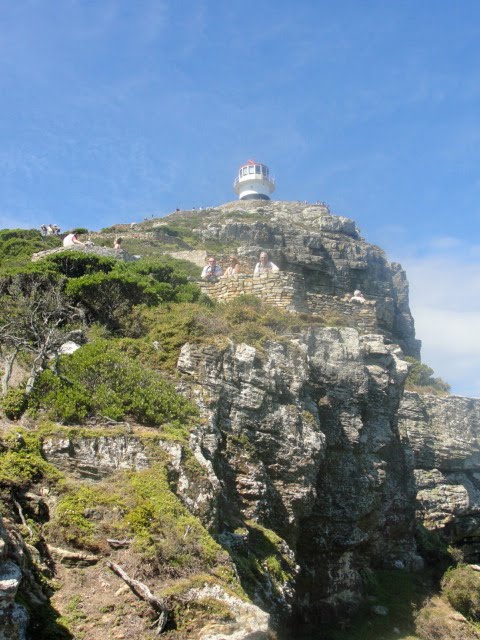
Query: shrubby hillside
x=207 y=470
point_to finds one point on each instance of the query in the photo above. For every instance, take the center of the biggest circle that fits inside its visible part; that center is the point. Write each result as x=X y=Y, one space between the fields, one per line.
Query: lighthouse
x=254 y=182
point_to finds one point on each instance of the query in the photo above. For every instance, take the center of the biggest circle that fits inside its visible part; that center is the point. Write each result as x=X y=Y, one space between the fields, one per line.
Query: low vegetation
x=421 y=378
x=18 y=245
x=130 y=321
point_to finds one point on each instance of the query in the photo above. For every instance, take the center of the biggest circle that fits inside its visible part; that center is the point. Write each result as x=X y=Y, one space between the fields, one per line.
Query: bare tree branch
x=34 y=317
x=144 y=593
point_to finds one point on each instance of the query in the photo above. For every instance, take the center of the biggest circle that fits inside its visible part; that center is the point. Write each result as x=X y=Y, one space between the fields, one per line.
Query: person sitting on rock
x=212 y=270
x=71 y=240
x=117 y=244
x=234 y=267
x=358 y=297
x=265 y=265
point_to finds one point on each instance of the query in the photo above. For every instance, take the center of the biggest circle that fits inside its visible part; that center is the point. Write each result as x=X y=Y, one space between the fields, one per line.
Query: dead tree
x=144 y=593
x=34 y=315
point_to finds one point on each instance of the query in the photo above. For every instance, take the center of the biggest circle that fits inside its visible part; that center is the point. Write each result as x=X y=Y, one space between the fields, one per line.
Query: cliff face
x=303 y=439
x=442 y=436
x=311 y=465
x=326 y=251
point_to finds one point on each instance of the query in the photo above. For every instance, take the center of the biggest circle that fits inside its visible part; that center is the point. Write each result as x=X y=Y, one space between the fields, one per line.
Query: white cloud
x=445 y=242
x=445 y=302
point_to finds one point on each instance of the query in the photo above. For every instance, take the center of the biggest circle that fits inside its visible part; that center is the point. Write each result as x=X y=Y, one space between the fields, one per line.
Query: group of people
x=213 y=271
x=49 y=229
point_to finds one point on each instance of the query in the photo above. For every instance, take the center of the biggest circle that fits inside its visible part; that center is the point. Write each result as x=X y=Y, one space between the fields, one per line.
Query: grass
x=21 y=460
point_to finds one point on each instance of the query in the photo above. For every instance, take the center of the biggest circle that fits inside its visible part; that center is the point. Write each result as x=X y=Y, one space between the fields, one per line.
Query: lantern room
x=254 y=182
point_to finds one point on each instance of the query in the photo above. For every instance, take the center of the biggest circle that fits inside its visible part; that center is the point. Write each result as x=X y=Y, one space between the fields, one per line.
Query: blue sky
x=113 y=110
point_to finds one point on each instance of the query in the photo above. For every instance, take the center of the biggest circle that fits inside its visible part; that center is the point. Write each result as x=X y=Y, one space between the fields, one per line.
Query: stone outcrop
x=16 y=579
x=442 y=436
x=315 y=465
x=326 y=252
x=303 y=439
x=95 y=457
x=105 y=252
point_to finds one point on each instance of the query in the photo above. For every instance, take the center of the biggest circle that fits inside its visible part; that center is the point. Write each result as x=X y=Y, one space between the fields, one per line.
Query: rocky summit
x=305 y=467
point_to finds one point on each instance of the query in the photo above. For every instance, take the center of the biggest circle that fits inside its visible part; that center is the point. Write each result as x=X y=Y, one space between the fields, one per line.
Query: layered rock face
x=326 y=251
x=303 y=439
x=314 y=462
x=442 y=435
x=16 y=580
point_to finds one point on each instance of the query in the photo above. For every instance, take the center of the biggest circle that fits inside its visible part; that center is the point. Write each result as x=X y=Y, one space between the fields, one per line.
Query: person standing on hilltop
x=212 y=270
x=265 y=265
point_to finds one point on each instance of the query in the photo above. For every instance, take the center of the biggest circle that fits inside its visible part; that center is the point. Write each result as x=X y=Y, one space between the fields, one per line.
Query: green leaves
x=99 y=379
x=421 y=375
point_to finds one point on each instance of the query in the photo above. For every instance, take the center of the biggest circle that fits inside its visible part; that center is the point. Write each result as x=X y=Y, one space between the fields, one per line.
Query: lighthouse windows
x=264 y=170
x=251 y=169
x=257 y=168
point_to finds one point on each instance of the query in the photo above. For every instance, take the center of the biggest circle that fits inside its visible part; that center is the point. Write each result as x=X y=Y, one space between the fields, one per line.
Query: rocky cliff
x=442 y=439
x=326 y=251
x=310 y=466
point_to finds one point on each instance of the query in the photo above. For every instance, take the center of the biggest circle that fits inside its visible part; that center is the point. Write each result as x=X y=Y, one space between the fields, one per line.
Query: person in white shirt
x=358 y=297
x=265 y=266
x=212 y=270
x=71 y=240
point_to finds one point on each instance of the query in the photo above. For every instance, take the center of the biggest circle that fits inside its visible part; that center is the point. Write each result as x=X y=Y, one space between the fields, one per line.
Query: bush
x=461 y=587
x=14 y=403
x=75 y=265
x=421 y=375
x=18 y=245
x=21 y=460
x=99 y=379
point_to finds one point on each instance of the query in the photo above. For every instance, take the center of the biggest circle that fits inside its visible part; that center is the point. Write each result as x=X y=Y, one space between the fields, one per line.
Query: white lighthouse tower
x=254 y=182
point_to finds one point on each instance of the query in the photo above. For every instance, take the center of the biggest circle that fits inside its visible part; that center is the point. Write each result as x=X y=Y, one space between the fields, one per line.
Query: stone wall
x=279 y=289
x=287 y=290
x=361 y=316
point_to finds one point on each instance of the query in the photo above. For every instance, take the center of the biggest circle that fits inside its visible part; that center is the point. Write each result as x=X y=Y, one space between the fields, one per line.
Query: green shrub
x=18 y=245
x=79 y=231
x=166 y=533
x=109 y=297
x=109 y=293
x=71 y=522
x=461 y=587
x=21 y=461
x=99 y=379
x=74 y=265
x=141 y=505
x=421 y=375
x=14 y=403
